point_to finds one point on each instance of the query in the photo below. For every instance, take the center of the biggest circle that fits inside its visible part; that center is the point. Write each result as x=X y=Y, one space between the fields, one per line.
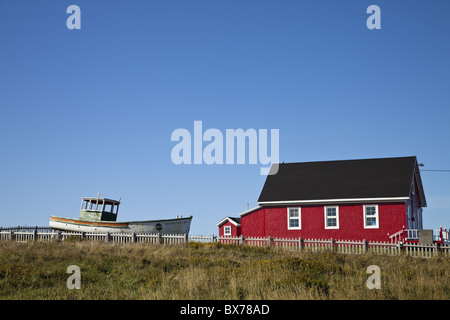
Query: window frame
x=326 y=217
x=225 y=232
x=377 y=217
x=299 y=218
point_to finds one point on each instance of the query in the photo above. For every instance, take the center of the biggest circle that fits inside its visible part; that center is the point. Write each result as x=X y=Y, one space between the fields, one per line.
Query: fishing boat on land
x=100 y=215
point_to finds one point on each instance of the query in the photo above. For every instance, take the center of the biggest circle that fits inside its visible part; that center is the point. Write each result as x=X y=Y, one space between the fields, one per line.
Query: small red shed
x=230 y=227
x=370 y=199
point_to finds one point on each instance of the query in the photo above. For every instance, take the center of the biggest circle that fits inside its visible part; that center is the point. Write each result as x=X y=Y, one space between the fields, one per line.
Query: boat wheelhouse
x=99 y=209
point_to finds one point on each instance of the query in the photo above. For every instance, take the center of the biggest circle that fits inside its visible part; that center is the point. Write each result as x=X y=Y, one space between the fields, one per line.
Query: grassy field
x=37 y=270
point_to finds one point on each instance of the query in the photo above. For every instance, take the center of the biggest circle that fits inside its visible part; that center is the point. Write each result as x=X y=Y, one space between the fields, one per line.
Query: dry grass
x=210 y=271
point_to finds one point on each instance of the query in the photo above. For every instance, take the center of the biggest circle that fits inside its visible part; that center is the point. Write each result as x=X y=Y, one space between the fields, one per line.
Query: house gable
x=235 y=221
x=418 y=187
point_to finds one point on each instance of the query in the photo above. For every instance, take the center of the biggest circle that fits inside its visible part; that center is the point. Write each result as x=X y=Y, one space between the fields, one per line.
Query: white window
x=371 y=216
x=294 y=218
x=227 y=231
x=332 y=217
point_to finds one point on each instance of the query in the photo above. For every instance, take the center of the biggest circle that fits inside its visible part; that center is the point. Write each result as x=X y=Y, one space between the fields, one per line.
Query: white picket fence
x=53 y=235
x=316 y=245
x=333 y=245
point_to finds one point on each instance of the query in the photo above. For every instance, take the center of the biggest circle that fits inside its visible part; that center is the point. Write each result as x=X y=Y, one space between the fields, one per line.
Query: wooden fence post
x=241 y=239
x=401 y=247
x=160 y=238
x=365 y=246
x=133 y=237
x=35 y=234
x=300 y=244
x=437 y=250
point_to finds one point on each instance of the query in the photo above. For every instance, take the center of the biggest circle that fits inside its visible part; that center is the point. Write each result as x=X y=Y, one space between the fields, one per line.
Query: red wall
x=235 y=230
x=272 y=221
x=253 y=224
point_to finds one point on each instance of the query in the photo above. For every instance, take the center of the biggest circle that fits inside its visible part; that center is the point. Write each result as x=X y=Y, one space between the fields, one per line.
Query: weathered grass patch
x=37 y=270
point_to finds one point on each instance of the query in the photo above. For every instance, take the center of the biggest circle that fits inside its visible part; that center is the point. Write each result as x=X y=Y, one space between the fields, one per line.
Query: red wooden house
x=372 y=199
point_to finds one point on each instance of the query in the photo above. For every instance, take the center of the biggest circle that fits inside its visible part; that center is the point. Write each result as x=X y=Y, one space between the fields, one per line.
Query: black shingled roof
x=344 y=179
x=237 y=220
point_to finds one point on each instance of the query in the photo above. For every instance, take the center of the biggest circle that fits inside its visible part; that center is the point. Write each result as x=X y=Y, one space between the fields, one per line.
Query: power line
x=436 y=170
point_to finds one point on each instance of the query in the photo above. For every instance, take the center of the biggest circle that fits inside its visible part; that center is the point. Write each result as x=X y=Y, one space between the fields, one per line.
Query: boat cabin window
x=100 y=205
x=109 y=207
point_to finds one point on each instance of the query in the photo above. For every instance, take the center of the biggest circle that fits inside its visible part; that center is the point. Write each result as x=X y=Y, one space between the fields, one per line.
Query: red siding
x=272 y=221
x=235 y=230
x=253 y=224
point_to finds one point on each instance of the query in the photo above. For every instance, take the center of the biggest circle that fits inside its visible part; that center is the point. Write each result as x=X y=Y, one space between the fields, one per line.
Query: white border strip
x=334 y=200
x=228 y=219
x=250 y=211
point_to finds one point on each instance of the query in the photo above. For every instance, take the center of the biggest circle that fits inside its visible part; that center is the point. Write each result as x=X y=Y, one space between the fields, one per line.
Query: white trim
x=225 y=233
x=227 y=219
x=250 y=211
x=337 y=217
x=334 y=200
x=377 y=225
x=299 y=218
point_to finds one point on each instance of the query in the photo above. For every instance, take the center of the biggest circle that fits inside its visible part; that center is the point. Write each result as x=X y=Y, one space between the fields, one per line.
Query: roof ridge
x=359 y=159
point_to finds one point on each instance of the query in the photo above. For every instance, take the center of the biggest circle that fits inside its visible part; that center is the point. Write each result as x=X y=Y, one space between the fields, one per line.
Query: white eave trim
x=250 y=211
x=351 y=200
x=224 y=220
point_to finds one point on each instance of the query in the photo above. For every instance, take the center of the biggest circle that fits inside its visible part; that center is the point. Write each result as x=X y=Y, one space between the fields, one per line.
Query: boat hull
x=165 y=226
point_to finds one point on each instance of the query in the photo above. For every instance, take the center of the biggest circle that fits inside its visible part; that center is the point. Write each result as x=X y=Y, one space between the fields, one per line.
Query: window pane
x=370 y=211
x=371 y=221
x=293 y=213
x=331 y=222
x=293 y=223
x=331 y=212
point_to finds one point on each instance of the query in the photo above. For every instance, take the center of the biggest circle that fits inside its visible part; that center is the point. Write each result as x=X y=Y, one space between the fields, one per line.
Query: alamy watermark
x=374 y=281
x=190 y=148
x=74 y=281
x=73 y=22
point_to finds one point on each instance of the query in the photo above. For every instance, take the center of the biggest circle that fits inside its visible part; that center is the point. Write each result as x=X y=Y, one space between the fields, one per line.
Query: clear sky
x=92 y=110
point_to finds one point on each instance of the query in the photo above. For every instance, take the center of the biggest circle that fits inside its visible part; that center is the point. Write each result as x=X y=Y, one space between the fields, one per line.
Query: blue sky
x=92 y=110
